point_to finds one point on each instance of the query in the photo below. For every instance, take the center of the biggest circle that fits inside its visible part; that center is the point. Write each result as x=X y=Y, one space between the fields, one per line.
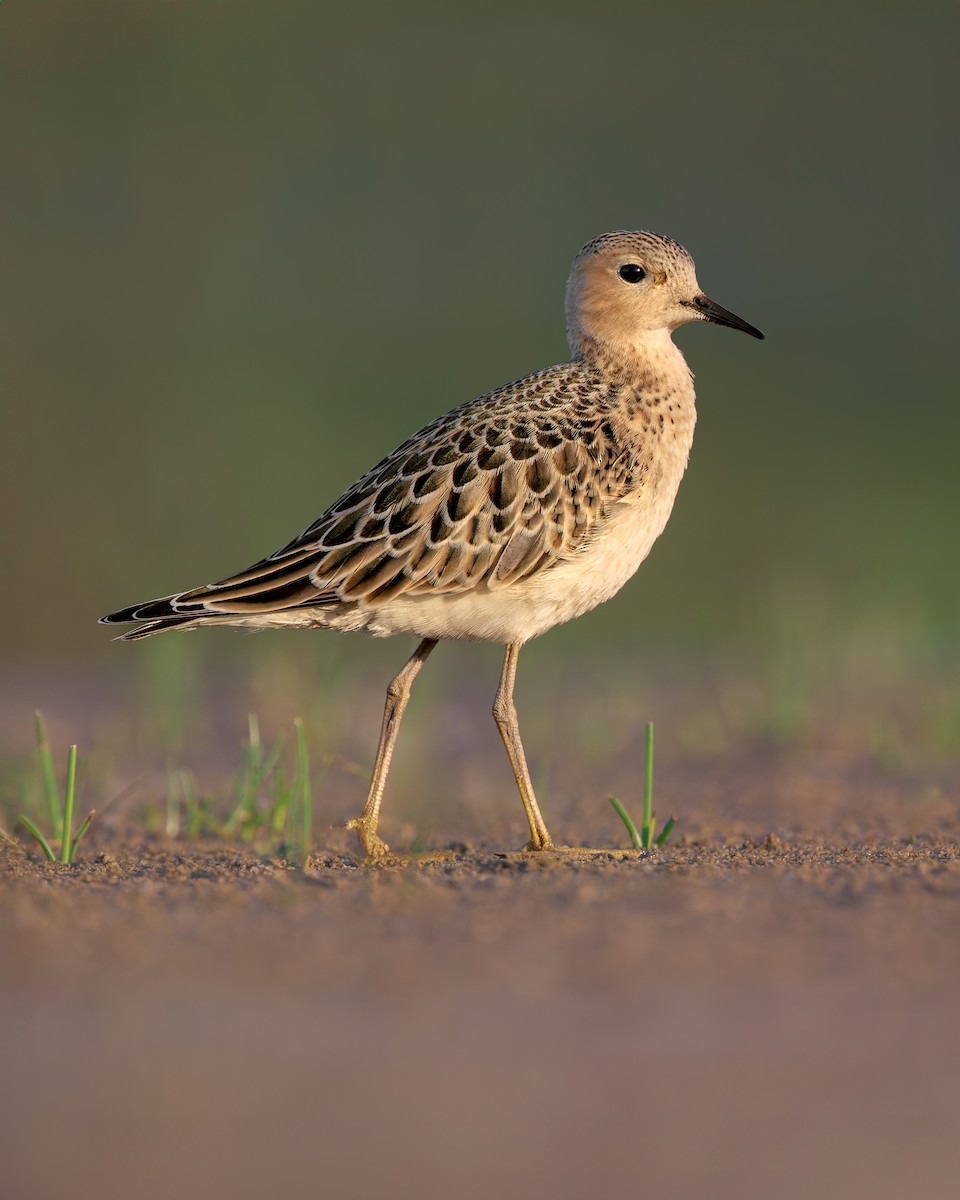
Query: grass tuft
x=644 y=839
x=271 y=801
x=61 y=817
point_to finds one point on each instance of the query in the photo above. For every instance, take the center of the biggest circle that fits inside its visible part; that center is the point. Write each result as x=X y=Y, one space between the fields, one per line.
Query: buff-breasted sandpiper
x=513 y=513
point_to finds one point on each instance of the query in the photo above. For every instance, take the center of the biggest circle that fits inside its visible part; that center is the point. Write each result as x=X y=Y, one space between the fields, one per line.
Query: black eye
x=632 y=273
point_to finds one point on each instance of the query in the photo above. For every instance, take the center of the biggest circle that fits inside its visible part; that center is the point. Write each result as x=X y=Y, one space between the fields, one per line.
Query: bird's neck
x=645 y=353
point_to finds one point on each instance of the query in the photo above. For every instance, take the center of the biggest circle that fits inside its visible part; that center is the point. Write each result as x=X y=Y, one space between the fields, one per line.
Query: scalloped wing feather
x=509 y=484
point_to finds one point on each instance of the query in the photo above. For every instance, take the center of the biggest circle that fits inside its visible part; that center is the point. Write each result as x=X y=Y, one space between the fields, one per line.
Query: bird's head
x=627 y=291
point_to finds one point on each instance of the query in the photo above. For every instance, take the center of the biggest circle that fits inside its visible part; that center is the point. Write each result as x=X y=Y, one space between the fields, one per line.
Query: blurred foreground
x=767 y=1007
x=757 y=1019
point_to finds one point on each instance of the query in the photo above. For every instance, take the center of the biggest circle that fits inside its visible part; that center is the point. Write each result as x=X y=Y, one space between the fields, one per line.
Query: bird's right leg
x=505 y=715
x=398 y=693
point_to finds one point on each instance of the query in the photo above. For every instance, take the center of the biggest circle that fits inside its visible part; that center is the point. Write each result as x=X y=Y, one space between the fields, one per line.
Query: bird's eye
x=632 y=273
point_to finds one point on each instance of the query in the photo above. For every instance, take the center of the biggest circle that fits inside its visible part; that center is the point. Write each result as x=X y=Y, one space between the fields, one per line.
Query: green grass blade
x=306 y=797
x=200 y=817
x=45 y=754
x=244 y=788
x=282 y=795
x=273 y=757
x=648 y=820
x=666 y=831
x=29 y=825
x=193 y=808
x=625 y=818
x=68 y=805
x=84 y=826
x=172 y=822
x=278 y=821
x=252 y=764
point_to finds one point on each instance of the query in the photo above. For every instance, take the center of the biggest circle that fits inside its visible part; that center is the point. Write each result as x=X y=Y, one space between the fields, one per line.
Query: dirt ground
x=765 y=1008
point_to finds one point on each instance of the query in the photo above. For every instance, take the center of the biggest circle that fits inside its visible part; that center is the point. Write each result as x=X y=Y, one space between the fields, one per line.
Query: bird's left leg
x=398 y=693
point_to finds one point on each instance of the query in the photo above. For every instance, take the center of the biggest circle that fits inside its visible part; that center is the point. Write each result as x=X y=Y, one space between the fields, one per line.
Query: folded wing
x=507 y=485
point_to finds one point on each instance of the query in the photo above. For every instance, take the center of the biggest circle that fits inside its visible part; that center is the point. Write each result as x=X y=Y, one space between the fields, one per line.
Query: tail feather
x=144 y=611
x=142 y=631
x=226 y=603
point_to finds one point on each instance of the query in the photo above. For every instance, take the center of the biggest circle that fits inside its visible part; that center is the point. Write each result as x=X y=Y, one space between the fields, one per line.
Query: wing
x=511 y=483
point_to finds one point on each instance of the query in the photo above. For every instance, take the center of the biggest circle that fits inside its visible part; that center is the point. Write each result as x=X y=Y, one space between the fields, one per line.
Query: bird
x=512 y=513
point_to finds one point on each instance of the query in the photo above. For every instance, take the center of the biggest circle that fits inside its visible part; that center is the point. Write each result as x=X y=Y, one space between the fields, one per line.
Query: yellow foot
x=532 y=846
x=375 y=849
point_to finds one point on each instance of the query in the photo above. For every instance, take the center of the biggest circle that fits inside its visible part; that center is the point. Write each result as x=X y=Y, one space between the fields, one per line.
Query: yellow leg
x=505 y=715
x=398 y=693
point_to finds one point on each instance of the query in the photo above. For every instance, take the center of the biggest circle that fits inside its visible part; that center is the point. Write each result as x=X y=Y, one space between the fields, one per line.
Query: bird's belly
x=531 y=606
x=603 y=567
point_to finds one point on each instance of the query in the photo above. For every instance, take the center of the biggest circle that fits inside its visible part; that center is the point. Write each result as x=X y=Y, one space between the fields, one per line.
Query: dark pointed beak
x=709 y=310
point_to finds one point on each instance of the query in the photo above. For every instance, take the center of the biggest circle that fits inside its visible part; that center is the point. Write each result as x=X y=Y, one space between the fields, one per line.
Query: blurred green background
x=250 y=247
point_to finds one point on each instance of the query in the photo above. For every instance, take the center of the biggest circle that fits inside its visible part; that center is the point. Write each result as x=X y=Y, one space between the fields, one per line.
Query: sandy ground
x=764 y=1018
x=765 y=1008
